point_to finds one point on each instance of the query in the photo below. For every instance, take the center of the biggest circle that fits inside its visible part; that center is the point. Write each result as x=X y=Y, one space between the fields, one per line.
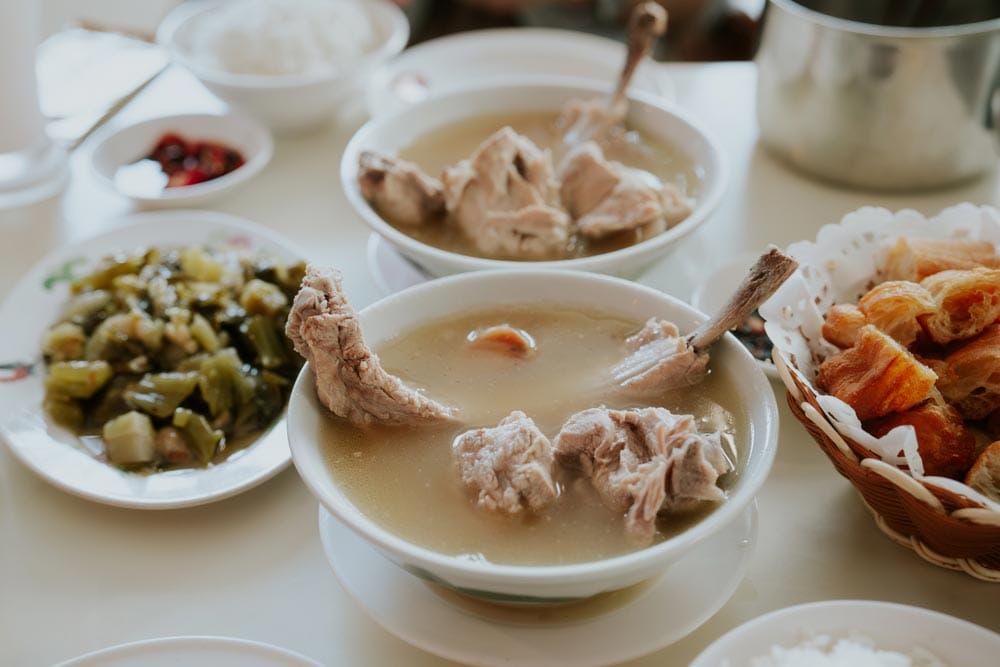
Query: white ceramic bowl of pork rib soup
x=405 y=311
x=650 y=115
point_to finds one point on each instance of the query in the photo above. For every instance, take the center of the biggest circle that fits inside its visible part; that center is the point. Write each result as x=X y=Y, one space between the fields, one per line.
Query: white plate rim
x=123 y=650
x=535 y=635
x=377 y=92
x=131 y=225
x=713 y=652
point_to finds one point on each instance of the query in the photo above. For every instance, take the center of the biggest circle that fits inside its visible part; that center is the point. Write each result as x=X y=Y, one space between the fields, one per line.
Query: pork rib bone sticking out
x=593 y=120
x=660 y=360
x=350 y=380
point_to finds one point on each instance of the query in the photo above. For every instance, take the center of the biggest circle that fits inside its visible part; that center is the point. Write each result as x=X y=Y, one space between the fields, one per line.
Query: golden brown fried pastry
x=876 y=376
x=984 y=475
x=972 y=380
x=946 y=445
x=894 y=307
x=967 y=302
x=939 y=366
x=842 y=325
x=915 y=259
x=992 y=425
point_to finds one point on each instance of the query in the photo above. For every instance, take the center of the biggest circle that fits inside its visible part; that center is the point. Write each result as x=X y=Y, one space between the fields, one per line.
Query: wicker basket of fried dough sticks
x=906 y=476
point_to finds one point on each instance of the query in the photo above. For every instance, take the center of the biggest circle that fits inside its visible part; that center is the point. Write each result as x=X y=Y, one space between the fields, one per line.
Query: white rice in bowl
x=855 y=650
x=282 y=37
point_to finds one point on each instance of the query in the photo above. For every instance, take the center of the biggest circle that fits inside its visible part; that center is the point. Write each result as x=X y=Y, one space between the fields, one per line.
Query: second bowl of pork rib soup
x=521 y=435
x=546 y=174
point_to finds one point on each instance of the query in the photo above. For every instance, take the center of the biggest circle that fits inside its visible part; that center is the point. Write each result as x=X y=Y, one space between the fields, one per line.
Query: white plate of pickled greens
x=148 y=367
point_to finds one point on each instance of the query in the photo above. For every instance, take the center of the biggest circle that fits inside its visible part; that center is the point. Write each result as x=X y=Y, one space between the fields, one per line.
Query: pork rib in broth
x=635 y=159
x=405 y=478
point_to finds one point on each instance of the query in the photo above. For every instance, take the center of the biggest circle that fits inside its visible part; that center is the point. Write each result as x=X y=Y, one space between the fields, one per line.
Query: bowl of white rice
x=853 y=633
x=293 y=64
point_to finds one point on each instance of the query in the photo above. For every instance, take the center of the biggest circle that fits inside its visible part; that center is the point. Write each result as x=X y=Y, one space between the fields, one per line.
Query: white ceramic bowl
x=116 y=147
x=391 y=133
x=456 y=61
x=440 y=298
x=286 y=103
x=890 y=626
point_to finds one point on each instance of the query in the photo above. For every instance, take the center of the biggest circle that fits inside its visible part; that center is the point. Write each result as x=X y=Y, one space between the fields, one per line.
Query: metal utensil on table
x=881 y=94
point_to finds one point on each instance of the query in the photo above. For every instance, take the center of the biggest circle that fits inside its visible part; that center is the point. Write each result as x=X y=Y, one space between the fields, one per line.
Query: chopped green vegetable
x=191 y=334
x=109 y=269
x=272 y=378
x=199 y=265
x=87 y=308
x=130 y=439
x=222 y=383
x=77 y=379
x=123 y=336
x=159 y=394
x=203 y=332
x=262 y=335
x=192 y=363
x=290 y=277
x=64 y=411
x=203 y=438
x=64 y=342
x=262 y=298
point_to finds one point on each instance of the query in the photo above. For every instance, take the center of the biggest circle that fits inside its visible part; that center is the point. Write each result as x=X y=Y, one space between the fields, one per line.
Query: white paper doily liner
x=840 y=266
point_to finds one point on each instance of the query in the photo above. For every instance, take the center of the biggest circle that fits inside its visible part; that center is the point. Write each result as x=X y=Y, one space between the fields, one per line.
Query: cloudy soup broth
x=449 y=145
x=404 y=479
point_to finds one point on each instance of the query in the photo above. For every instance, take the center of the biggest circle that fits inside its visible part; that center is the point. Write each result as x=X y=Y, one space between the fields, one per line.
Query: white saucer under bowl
x=684 y=598
x=192 y=652
x=391 y=271
x=448 y=63
x=62 y=458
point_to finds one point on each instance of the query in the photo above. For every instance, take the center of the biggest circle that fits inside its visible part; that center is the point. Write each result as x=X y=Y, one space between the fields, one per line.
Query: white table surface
x=76 y=576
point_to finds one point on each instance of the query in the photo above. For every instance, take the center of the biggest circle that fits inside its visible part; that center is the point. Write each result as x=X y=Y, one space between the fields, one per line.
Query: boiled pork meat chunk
x=399 y=190
x=505 y=198
x=605 y=197
x=659 y=360
x=644 y=462
x=508 y=468
x=590 y=120
x=350 y=380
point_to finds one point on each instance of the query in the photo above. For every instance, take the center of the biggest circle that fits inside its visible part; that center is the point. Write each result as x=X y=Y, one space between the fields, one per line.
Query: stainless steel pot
x=881 y=106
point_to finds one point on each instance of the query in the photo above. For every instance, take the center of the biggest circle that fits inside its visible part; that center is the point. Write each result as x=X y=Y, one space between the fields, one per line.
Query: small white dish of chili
x=181 y=160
